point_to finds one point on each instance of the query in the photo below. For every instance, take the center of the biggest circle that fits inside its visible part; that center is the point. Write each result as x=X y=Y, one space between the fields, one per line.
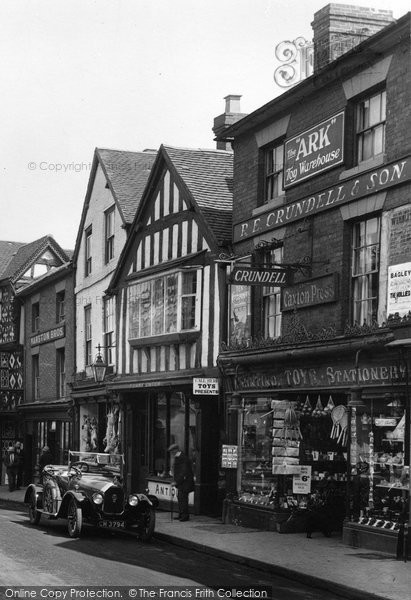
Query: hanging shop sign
x=229 y=457
x=258 y=276
x=302 y=480
x=48 y=336
x=309 y=293
x=399 y=289
x=315 y=150
x=370 y=183
x=207 y=386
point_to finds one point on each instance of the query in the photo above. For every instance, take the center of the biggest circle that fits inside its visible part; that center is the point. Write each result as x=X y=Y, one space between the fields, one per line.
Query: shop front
x=158 y=414
x=321 y=432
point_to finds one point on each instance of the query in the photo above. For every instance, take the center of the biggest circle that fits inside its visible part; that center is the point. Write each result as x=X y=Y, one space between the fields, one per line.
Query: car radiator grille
x=114 y=501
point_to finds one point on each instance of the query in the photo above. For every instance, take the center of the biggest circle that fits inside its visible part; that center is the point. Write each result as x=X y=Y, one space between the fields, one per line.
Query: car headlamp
x=98 y=498
x=133 y=500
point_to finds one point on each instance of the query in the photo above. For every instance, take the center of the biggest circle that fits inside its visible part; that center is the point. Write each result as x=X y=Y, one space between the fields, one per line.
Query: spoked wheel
x=74 y=519
x=34 y=514
x=147 y=525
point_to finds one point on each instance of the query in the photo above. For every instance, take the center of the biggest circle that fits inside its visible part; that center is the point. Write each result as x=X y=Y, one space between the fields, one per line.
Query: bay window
x=166 y=304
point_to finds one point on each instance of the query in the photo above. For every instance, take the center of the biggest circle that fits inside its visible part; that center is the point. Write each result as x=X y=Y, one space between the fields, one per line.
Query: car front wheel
x=74 y=519
x=147 y=525
x=34 y=514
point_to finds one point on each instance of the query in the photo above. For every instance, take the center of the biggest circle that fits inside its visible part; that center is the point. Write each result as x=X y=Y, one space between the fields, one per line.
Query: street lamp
x=99 y=367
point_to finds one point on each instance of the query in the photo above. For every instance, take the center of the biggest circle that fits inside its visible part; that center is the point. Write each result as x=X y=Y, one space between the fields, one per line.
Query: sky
x=124 y=74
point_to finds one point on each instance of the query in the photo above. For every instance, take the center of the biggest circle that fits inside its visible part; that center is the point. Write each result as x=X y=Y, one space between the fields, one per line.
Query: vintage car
x=90 y=490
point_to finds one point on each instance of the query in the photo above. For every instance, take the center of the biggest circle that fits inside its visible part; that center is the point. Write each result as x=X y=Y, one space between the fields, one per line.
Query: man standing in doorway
x=11 y=467
x=183 y=480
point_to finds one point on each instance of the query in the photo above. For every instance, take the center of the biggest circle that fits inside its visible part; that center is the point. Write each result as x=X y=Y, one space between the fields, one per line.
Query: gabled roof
x=7 y=251
x=126 y=174
x=55 y=273
x=208 y=176
x=27 y=254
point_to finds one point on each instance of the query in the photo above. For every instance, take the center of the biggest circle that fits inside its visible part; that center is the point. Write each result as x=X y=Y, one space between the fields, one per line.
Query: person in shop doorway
x=11 y=467
x=183 y=480
x=45 y=458
x=19 y=455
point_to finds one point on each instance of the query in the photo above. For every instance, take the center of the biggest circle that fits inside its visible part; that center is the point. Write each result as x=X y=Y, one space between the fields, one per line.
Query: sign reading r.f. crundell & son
x=389 y=175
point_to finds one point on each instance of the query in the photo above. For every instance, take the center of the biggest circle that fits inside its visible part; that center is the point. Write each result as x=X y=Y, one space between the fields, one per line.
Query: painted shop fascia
x=376 y=180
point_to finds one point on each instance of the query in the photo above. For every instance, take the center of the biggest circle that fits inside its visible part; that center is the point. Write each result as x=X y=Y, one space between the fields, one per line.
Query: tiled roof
x=7 y=251
x=127 y=173
x=26 y=253
x=208 y=174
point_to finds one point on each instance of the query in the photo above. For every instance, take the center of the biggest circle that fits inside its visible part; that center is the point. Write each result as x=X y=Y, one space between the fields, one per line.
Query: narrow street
x=45 y=556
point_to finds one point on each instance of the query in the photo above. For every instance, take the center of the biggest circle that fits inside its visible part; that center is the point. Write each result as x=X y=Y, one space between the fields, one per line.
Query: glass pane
x=158 y=306
x=279 y=157
x=379 y=139
x=160 y=436
x=189 y=283
x=367 y=152
x=134 y=306
x=145 y=309
x=171 y=304
x=372 y=231
x=188 y=312
x=383 y=105
x=375 y=110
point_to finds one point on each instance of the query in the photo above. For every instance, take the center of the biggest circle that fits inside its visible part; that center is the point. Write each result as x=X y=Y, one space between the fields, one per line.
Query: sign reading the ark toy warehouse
x=314 y=150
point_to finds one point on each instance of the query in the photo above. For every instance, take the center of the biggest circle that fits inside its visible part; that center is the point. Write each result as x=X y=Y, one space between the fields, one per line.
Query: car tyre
x=74 y=519
x=34 y=514
x=148 y=525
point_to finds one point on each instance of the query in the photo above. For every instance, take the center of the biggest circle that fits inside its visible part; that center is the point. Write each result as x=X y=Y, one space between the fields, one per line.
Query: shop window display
x=379 y=464
x=293 y=454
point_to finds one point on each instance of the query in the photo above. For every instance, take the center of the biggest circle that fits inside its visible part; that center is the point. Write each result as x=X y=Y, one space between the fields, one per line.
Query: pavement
x=320 y=562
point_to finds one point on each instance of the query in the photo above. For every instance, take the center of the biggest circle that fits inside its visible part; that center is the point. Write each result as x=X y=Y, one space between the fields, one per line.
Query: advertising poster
x=240 y=313
x=399 y=289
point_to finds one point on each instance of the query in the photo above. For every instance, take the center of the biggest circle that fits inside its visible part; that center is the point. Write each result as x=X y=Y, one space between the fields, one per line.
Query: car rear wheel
x=74 y=519
x=34 y=514
x=147 y=525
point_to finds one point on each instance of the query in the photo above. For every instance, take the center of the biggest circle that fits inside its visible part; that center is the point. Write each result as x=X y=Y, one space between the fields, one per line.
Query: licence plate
x=114 y=524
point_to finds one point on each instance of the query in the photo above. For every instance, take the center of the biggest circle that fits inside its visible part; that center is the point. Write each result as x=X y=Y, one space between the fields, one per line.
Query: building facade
x=47 y=310
x=316 y=364
x=21 y=265
x=170 y=293
x=117 y=181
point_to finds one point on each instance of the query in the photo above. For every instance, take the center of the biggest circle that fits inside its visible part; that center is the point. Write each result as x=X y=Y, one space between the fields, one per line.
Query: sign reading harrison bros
x=352 y=189
x=48 y=336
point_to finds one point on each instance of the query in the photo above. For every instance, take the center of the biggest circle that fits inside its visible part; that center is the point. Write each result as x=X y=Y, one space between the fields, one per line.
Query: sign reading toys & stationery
x=319 y=148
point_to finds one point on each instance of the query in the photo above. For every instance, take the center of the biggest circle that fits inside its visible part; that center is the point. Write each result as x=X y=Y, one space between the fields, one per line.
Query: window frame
x=361 y=129
x=173 y=326
x=60 y=306
x=61 y=372
x=88 y=258
x=363 y=278
x=35 y=370
x=269 y=293
x=108 y=329
x=109 y=217
x=88 y=336
x=272 y=174
x=35 y=317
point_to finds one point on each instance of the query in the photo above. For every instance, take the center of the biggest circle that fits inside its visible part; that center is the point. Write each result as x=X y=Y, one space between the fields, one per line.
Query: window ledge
x=364 y=166
x=187 y=337
x=274 y=203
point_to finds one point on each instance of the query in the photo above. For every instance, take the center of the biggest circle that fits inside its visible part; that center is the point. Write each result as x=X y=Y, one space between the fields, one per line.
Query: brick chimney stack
x=338 y=28
x=231 y=115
